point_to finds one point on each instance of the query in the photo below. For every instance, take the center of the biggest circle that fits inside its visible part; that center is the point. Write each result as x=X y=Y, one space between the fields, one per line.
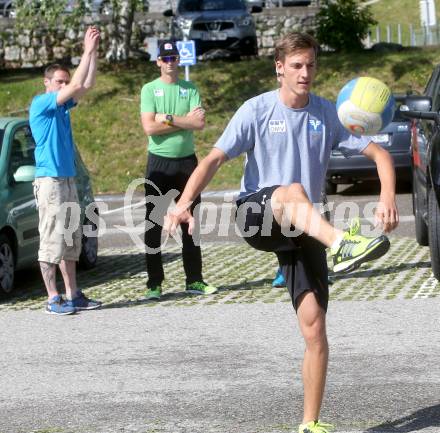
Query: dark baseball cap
x=168 y=48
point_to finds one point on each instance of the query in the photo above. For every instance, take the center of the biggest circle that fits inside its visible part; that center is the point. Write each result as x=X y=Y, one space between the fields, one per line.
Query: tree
x=121 y=29
x=34 y=14
x=343 y=24
x=49 y=14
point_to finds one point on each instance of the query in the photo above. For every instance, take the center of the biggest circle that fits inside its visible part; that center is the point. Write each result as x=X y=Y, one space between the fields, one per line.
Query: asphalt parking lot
x=227 y=363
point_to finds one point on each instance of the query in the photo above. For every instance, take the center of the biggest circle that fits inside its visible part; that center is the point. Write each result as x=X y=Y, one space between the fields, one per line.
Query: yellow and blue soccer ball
x=365 y=105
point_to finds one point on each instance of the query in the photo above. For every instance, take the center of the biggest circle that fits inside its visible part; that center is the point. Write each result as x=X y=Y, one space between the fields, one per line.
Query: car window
x=22 y=150
x=433 y=90
x=210 y=5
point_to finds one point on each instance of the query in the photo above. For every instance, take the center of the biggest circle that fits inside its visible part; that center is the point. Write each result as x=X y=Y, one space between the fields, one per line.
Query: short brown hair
x=51 y=69
x=292 y=42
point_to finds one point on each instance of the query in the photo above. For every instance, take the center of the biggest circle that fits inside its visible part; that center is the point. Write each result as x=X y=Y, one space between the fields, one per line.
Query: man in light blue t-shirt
x=287 y=136
x=54 y=184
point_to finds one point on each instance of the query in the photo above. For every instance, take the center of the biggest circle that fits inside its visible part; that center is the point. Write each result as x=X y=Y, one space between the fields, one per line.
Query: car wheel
x=420 y=224
x=89 y=248
x=434 y=232
x=7 y=265
x=330 y=187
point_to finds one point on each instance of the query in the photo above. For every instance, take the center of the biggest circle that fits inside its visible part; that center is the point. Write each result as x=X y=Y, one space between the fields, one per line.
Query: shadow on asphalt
x=419 y=420
x=176 y=296
x=29 y=285
x=380 y=272
x=246 y=285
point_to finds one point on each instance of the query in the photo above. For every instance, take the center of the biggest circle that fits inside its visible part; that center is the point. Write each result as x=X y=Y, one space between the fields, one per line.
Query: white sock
x=336 y=243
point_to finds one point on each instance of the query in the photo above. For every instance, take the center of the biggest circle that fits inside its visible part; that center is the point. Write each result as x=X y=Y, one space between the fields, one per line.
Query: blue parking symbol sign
x=187 y=52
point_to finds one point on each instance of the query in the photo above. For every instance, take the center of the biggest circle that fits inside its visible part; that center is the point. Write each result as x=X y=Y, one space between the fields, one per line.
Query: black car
x=216 y=25
x=396 y=138
x=425 y=147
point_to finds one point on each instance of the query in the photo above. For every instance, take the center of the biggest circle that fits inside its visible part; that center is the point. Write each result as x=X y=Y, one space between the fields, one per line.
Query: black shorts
x=302 y=258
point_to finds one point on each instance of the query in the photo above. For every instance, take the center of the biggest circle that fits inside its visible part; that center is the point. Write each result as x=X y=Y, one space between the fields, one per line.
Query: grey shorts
x=59 y=222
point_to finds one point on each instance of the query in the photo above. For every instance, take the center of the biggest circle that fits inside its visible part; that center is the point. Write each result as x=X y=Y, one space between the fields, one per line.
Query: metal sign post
x=187 y=53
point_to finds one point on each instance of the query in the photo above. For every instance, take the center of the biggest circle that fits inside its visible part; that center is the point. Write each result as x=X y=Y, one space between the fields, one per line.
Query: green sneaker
x=153 y=293
x=356 y=249
x=315 y=427
x=200 y=288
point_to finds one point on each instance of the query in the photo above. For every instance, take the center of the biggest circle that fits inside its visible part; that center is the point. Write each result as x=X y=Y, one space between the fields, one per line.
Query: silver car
x=216 y=24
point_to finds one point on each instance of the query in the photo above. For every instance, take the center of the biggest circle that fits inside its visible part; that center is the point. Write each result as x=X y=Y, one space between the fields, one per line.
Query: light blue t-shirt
x=285 y=145
x=50 y=125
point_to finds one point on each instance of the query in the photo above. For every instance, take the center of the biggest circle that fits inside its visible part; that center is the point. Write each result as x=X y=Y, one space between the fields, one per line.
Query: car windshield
x=210 y=5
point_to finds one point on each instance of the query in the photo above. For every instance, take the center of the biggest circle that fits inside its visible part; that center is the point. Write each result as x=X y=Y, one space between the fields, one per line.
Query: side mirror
x=168 y=13
x=419 y=107
x=25 y=173
x=418 y=103
x=256 y=9
x=406 y=113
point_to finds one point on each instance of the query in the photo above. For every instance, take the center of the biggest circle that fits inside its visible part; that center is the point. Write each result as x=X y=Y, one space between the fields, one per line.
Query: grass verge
x=107 y=127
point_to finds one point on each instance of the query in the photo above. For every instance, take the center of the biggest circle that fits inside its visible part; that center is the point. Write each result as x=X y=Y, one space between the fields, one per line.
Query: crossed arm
x=153 y=122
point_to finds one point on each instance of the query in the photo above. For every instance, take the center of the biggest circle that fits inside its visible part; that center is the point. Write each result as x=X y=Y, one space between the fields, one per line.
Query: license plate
x=381 y=138
x=214 y=36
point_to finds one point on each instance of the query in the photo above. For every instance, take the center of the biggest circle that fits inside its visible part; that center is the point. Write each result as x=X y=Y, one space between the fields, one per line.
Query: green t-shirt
x=177 y=99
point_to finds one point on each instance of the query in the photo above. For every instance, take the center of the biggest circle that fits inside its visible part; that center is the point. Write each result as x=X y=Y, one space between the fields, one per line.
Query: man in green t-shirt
x=170 y=112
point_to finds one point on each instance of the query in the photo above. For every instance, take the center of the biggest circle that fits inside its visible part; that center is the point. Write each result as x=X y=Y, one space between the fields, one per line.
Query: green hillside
x=394 y=12
x=107 y=126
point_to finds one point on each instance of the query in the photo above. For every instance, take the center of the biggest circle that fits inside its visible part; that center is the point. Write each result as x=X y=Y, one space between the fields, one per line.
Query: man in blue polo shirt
x=55 y=174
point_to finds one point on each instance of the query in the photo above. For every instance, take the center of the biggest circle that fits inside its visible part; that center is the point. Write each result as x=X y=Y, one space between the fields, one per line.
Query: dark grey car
x=396 y=138
x=216 y=24
x=425 y=147
x=5 y=7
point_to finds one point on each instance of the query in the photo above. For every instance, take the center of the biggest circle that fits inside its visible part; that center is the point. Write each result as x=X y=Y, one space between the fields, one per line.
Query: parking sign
x=187 y=52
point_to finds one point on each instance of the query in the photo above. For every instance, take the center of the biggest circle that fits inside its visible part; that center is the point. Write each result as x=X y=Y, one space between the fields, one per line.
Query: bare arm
x=199 y=179
x=386 y=212
x=91 y=75
x=201 y=176
x=76 y=86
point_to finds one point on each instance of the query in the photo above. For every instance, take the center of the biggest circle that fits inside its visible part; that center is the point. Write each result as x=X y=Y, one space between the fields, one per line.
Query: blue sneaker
x=279 y=280
x=57 y=305
x=81 y=302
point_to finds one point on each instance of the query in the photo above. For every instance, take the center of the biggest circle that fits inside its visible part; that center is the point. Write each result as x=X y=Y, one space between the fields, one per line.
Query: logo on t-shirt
x=183 y=92
x=277 y=126
x=315 y=125
x=158 y=92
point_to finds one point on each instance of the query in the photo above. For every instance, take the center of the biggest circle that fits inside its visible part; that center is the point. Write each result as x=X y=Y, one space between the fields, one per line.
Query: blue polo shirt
x=50 y=125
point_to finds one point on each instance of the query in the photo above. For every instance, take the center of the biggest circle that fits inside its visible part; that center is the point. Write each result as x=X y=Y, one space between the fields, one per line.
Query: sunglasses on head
x=169 y=59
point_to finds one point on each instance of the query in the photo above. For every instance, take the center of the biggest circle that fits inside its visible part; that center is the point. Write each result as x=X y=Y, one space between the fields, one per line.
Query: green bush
x=343 y=24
